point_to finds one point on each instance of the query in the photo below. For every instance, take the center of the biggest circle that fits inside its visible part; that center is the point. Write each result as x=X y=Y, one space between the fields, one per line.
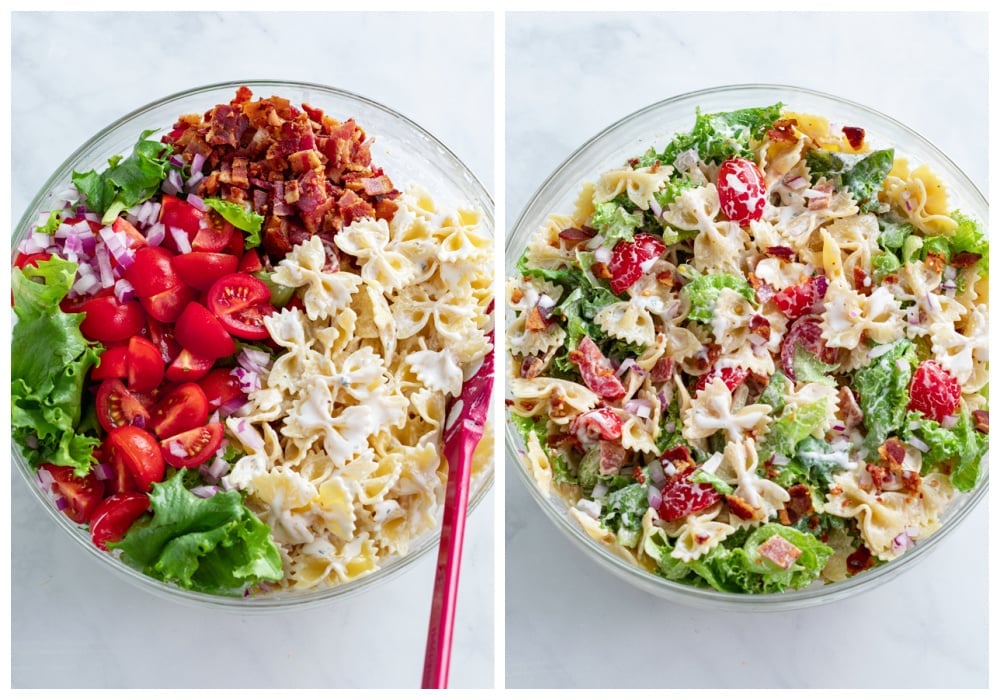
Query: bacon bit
x=558 y=408
x=836 y=490
x=638 y=475
x=680 y=457
x=965 y=259
x=849 y=408
x=612 y=457
x=879 y=473
x=655 y=167
x=893 y=453
x=576 y=234
x=855 y=136
x=707 y=356
x=780 y=551
x=821 y=200
x=531 y=366
x=667 y=278
x=662 y=370
x=601 y=271
x=754 y=280
x=783 y=130
x=890 y=279
x=935 y=261
x=911 y=482
x=740 y=508
x=799 y=503
x=562 y=440
x=781 y=251
x=862 y=281
x=783 y=517
x=632 y=162
x=981 y=421
x=859 y=560
x=535 y=320
x=516 y=295
x=760 y=326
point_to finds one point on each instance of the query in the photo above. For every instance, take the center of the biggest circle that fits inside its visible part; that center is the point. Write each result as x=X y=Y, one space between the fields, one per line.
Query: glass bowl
x=407 y=153
x=655 y=125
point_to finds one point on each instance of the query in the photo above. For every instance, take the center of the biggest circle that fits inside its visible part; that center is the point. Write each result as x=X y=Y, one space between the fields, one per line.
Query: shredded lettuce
x=973 y=445
x=243 y=218
x=809 y=368
x=703 y=291
x=861 y=175
x=700 y=476
x=126 y=181
x=970 y=238
x=883 y=391
x=892 y=234
x=657 y=546
x=623 y=510
x=813 y=464
x=214 y=545
x=527 y=425
x=793 y=426
x=615 y=223
x=49 y=369
x=774 y=393
x=719 y=136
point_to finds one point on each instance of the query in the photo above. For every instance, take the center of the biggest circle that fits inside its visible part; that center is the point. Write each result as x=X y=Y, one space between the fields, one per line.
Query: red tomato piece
x=162 y=336
x=732 y=376
x=145 y=365
x=179 y=214
x=803 y=298
x=220 y=387
x=193 y=447
x=167 y=306
x=117 y=406
x=82 y=493
x=152 y=272
x=109 y=321
x=202 y=333
x=596 y=370
x=630 y=259
x=934 y=391
x=216 y=236
x=600 y=423
x=115 y=515
x=200 y=270
x=24 y=260
x=113 y=363
x=742 y=194
x=807 y=333
x=250 y=262
x=183 y=408
x=188 y=367
x=681 y=496
x=241 y=303
x=122 y=481
x=139 y=452
x=133 y=239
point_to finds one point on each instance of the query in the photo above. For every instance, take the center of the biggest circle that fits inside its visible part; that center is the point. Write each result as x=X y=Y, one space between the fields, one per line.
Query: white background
x=568 y=622
x=73 y=623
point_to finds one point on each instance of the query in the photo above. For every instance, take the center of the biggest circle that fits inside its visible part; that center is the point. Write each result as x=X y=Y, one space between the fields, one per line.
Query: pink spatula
x=463 y=430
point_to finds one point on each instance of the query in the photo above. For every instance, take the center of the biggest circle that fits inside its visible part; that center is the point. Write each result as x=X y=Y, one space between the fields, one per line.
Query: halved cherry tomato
x=200 y=269
x=152 y=272
x=193 y=447
x=145 y=365
x=220 y=387
x=742 y=193
x=681 y=496
x=122 y=481
x=113 y=363
x=183 y=408
x=202 y=333
x=732 y=376
x=250 y=262
x=115 y=515
x=596 y=370
x=109 y=321
x=162 y=335
x=215 y=237
x=179 y=214
x=934 y=391
x=82 y=493
x=117 y=406
x=802 y=298
x=24 y=260
x=167 y=306
x=133 y=238
x=630 y=259
x=188 y=367
x=241 y=303
x=806 y=332
x=139 y=452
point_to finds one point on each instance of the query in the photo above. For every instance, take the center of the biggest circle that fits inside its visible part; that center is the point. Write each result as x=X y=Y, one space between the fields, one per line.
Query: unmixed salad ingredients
x=234 y=347
x=757 y=358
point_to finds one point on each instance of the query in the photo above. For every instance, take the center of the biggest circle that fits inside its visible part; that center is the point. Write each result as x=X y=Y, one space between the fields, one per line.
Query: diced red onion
x=249 y=436
x=176 y=161
x=919 y=444
x=253 y=360
x=86 y=285
x=656 y=475
x=196 y=202
x=45 y=479
x=232 y=406
x=591 y=508
x=640 y=407
x=124 y=291
x=180 y=237
x=779 y=459
x=879 y=350
x=215 y=469
x=602 y=254
x=902 y=365
x=654 y=496
x=205 y=490
x=600 y=490
x=156 y=233
x=61 y=502
x=103 y=471
x=193 y=181
x=655 y=207
x=647 y=265
x=62 y=230
x=624 y=366
x=686 y=160
x=29 y=246
x=197 y=162
x=546 y=303
x=173 y=183
x=670 y=427
x=932 y=303
x=104 y=266
x=795 y=183
x=115 y=241
x=949 y=422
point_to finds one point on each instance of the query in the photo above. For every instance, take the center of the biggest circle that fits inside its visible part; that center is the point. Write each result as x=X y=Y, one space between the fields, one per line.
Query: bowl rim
x=709 y=597
x=280 y=600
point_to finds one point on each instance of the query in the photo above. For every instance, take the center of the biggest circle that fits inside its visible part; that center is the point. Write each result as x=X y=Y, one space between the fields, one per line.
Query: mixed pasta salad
x=235 y=347
x=756 y=359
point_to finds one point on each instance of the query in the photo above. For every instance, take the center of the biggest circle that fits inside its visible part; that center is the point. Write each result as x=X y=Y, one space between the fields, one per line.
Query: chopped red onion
x=176 y=161
x=63 y=229
x=196 y=202
x=591 y=508
x=879 y=350
x=602 y=254
x=919 y=444
x=197 y=162
x=194 y=181
x=173 y=183
x=253 y=360
x=29 y=246
x=796 y=182
x=949 y=422
x=104 y=266
x=249 y=436
x=180 y=237
x=654 y=496
x=636 y=406
x=45 y=479
x=115 y=241
x=600 y=490
x=656 y=475
x=205 y=491
x=655 y=207
x=215 y=469
x=232 y=406
x=104 y=471
x=624 y=366
x=61 y=502
x=86 y=285
x=124 y=291
x=156 y=233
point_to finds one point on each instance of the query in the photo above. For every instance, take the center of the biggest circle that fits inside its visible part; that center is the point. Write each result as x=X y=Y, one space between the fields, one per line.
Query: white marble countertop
x=568 y=622
x=73 y=624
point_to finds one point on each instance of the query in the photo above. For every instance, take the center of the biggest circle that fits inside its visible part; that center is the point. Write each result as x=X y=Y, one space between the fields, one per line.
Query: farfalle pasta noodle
x=753 y=402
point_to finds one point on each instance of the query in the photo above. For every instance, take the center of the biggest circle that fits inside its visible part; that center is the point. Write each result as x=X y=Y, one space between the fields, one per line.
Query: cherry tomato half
x=145 y=365
x=188 y=367
x=216 y=236
x=152 y=272
x=115 y=515
x=139 y=452
x=202 y=333
x=179 y=214
x=934 y=391
x=742 y=193
x=109 y=321
x=220 y=387
x=113 y=363
x=241 y=303
x=193 y=447
x=166 y=306
x=200 y=270
x=82 y=493
x=117 y=406
x=184 y=408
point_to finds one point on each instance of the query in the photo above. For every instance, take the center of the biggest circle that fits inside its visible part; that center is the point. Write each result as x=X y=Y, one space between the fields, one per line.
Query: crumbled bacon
x=911 y=481
x=855 y=136
x=859 y=560
x=601 y=271
x=862 y=281
x=306 y=173
x=575 y=235
x=981 y=421
x=965 y=259
x=739 y=507
x=799 y=503
x=783 y=130
x=823 y=195
x=516 y=295
x=667 y=278
x=781 y=251
x=760 y=326
x=879 y=473
x=780 y=551
x=662 y=370
x=935 y=261
x=893 y=452
x=531 y=366
x=849 y=408
x=679 y=456
x=558 y=408
x=612 y=457
x=535 y=321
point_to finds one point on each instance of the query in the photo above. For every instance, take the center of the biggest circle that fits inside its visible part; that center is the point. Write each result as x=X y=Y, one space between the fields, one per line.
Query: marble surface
x=73 y=624
x=568 y=622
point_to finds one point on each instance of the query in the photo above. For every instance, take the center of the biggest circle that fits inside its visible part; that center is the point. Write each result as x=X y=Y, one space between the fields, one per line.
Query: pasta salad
x=236 y=345
x=756 y=359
